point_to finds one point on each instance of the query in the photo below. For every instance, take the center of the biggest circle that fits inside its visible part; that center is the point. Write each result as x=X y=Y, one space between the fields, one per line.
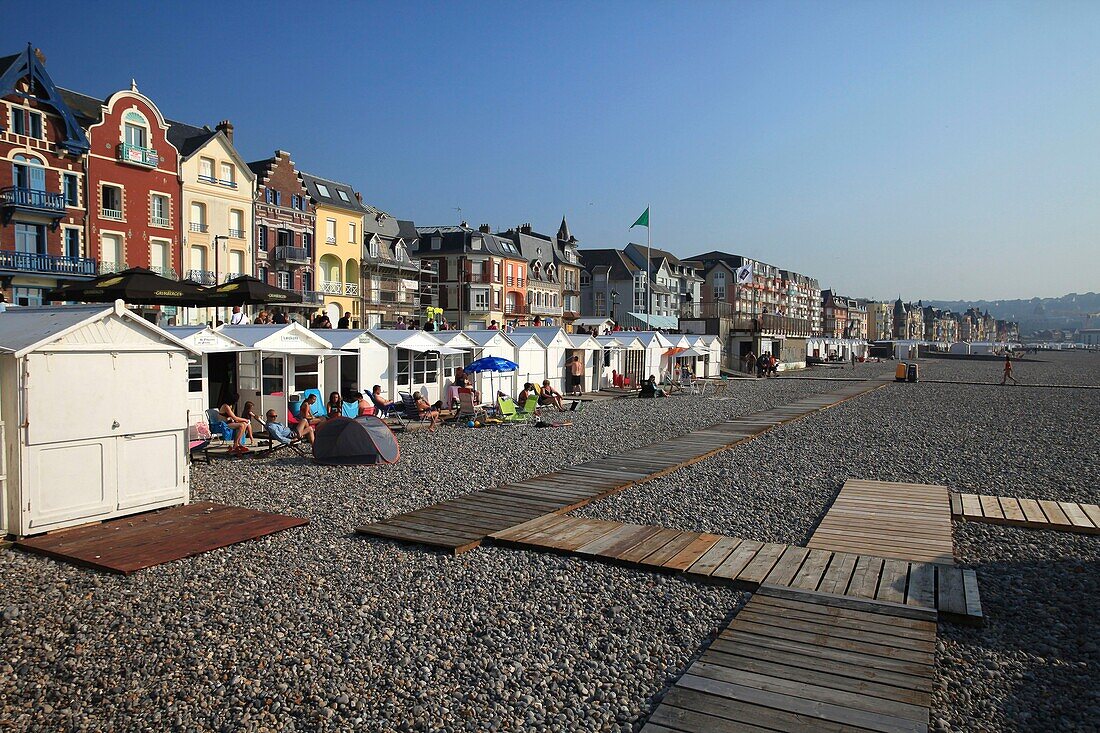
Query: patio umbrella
x=136 y=286
x=491 y=364
x=247 y=290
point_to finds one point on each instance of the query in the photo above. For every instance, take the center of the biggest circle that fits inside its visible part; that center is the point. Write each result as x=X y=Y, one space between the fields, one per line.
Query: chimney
x=485 y=229
x=359 y=197
x=227 y=127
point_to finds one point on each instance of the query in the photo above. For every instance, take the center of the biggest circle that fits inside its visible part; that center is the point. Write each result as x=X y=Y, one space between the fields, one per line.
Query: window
x=27 y=296
x=481 y=299
x=261 y=274
x=719 y=286
x=198 y=261
x=228 y=175
x=294 y=201
x=26 y=122
x=206 y=170
x=323 y=190
x=198 y=217
x=270 y=196
x=194 y=374
x=305 y=373
x=351 y=231
x=111 y=207
x=158 y=210
x=71 y=185
x=159 y=257
x=236 y=223
x=372 y=247
x=135 y=135
x=277 y=198
x=72 y=242
x=261 y=237
x=496 y=271
x=307 y=242
x=282 y=279
x=110 y=253
x=343 y=195
x=437 y=242
x=307 y=281
x=420 y=368
x=30 y=239
x=28 y=173
x=330 y=231
x=271 y=373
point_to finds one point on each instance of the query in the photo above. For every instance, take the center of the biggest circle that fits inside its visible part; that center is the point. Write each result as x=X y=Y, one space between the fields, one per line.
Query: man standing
x=576 y=375
x=1008 y=370
x=401 y=325
x=345 y=322
x=239 y=318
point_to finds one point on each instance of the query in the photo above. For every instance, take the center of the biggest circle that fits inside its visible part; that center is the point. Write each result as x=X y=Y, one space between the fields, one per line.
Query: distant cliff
x=1037 y=314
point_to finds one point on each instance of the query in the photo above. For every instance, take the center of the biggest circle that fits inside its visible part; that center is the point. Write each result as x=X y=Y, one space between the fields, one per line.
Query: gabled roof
x=286 y=337
x=346 y=338
x=333 y=198
x=484 y=336
x=31 y=64
x=619 y=266
x=23 y=330
x=407 y=231
x=522 y=338
x=546 y=334
x=459 y=238
x=188 y=138
x=205 y=339
x=407 y=339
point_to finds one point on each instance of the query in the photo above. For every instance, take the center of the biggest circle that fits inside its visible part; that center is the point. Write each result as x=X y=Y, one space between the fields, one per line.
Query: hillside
x=1035 y=314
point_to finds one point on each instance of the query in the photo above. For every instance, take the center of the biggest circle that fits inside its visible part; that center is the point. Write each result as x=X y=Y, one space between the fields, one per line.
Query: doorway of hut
x=222 y=378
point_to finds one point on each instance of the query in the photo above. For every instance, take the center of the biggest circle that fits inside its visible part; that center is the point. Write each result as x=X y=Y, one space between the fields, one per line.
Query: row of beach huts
x=96 y=402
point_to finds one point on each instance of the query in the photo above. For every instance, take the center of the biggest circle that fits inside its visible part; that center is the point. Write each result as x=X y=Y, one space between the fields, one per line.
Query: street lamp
x=614 y=299
x=217 y=251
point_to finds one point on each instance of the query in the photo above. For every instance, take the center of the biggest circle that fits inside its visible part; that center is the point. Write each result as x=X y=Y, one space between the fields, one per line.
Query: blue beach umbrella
x=492 y=364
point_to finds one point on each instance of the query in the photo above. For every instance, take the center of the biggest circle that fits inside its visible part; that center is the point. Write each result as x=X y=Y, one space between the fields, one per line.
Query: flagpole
x=648 y=267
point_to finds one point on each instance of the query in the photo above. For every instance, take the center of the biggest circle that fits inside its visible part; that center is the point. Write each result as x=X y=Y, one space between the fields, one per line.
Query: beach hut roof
x=583 y=341
x=420 y=341
x=487 y=336
x=456 y=339
x=205 y=339
x=290 y=338
x=349 y=338
x=23 y=330
x=650 y=337
x=524 y=338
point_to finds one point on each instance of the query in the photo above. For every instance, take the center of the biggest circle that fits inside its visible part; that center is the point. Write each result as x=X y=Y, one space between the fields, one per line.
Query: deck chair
x=410 y=412
x=467 y=410
x=275 y=443
x=198 y=442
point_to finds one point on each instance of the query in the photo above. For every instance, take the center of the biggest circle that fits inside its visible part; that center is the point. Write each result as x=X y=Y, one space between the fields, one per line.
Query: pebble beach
x=319 y=629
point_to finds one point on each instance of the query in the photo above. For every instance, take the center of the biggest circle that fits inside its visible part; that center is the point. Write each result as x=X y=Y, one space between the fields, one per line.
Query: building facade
x=217 y=206
x=283 y=228
x=43 y=199
x=542 y=287
x=880 y=321
x=339 y=246
x=834 y=312
x=568 y=260
x=391 y=278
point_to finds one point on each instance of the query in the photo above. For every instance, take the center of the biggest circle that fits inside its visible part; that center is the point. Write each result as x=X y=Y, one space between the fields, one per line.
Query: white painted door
x=68 y=481
x=150 y=469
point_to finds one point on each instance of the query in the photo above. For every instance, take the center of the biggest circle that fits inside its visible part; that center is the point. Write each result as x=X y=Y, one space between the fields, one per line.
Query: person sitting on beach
x=526 y=393
x=426 y=410
x=366 y=407
x=335 y=406
x=550 y=396
x=240 y=426
x=282 y=433
x=650 y=388
x=248 y=412
x=383 y=405
x=305 y=412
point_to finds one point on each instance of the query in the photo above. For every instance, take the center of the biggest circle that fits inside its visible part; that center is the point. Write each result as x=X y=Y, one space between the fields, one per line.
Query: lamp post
x=612 y=302
x=217 y=250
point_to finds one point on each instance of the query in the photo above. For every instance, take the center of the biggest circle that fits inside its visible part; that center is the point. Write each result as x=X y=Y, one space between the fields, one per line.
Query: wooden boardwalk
x=748 y=564
x=1063 y=516
x=142 y=541
x=903 y=521
x=461 y=524
x=798 y=661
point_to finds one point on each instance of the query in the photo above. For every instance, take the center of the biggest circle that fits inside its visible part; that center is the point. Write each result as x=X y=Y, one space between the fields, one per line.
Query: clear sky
x=932 y=150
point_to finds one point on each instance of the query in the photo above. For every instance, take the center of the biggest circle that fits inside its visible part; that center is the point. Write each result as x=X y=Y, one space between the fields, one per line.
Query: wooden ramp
x=461 y=524
x=903 y=521
x=142 y=541
x=749 y=564
x=798 y=661
x=1063 y=516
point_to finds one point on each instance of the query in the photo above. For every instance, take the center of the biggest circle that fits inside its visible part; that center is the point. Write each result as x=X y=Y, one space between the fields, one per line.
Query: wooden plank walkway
x=886 y=519
x=461 y=524
x=133 y=543
x=748 y=564
x=801 y=661
x=1063 y=516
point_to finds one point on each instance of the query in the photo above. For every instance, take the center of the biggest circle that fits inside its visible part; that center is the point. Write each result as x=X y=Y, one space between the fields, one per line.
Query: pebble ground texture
x=316 y=629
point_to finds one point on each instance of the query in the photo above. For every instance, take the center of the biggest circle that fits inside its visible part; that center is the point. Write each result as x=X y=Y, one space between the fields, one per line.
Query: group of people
x=765 y=365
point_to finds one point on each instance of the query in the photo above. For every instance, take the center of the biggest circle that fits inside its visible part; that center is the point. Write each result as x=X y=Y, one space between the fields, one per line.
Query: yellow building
x=338 y=246
x=217 y=207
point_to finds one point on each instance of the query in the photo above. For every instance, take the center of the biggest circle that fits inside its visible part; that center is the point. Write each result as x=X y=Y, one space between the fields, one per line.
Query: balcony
x=545 y=310
x=198 y=227
x=159 y=221
x=168 y=272
x=112 y=214
x=476 y=277
x=236 y=233
x=514 y=309
x=299 y=255
x=312 y=297
x=207 y=179
x=332 y=287
x=46 y=264
x=330 y=240
x=106 y=266
x=232 y=276
x=14 y=198
x=351 y=289
x=514 y=282
x=227 y=183
x=202 y=277
x=136 y=155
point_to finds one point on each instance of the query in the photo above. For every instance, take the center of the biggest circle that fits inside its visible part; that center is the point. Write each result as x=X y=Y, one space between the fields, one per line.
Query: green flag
x=643 y=220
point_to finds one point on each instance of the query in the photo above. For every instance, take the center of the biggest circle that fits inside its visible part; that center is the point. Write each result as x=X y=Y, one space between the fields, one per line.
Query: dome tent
x=341 y=441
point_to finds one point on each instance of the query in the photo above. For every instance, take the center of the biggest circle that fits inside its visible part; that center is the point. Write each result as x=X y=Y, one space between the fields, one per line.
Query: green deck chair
x=509 y=413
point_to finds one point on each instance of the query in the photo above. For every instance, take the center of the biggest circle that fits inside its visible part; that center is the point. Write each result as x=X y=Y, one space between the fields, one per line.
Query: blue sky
x=935 y=150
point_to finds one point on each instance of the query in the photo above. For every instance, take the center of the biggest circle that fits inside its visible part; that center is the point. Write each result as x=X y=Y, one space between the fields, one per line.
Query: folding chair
x=276 y=443
x=410 y=411
x=467 y=410
x=509 y=414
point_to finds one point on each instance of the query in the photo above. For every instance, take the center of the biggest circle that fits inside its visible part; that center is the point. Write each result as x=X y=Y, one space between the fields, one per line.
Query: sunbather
x=426 y=410
x=384 y=406
x=335 y=404
x=525 y=393
x=240 y=426
x=305 y=412
x=650 y=389
x=282 y=433
x=366 y=407
x=550 y=396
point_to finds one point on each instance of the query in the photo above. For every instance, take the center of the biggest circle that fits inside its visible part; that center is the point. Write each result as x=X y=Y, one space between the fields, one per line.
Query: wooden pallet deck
x=133 y=543
x=799 y=661
x=886 y=519
x=749 y=564
x=461 y=524
x=1062 y=516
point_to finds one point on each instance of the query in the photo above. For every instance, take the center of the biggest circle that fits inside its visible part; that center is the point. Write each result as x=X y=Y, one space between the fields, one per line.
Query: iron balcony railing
x=231 y=276
x=202 y=277
x=292 y=254
x=34 y=262
x=160 y=221
x=516 y=282
x=145 y=157
x=236 y=233
x=112 y=214
x=477 y=277
x=198 y=227
x=514 y=309
x=32 y=199
x=168 y=272
x=207 y=179
x=331 y=287
x=106 y=266
x=351 y=288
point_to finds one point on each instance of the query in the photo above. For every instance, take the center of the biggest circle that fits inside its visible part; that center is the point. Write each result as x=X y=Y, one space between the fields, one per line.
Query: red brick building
x=133 y=183
x=285 y=219
x=42 y=189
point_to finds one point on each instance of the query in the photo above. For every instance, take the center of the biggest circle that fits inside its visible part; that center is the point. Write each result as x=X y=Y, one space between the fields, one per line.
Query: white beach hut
x=208 y=387
x=493 y=343
x=95 y=405
x=414 y=362
x=281 y=361
x=363 y=363
x=656 y=344
x=530 y=356
x=557 y=343
x=589 y=350
x=618 y=352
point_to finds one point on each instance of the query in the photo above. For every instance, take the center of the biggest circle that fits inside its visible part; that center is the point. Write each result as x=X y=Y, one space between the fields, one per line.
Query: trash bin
x=912 y=373
x=900 y=372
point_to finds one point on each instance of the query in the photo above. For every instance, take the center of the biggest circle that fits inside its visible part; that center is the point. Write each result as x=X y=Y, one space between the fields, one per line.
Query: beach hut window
x=272 y=369
x=194 y=375
x=305 y=373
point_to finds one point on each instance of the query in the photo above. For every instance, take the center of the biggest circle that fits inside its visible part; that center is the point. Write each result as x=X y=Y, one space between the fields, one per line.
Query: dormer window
x=323 y=190
x=401 y=253
x=475 y=243
x=372 y=247
x=343 y=195
x=26 y=122
x=135 y=129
